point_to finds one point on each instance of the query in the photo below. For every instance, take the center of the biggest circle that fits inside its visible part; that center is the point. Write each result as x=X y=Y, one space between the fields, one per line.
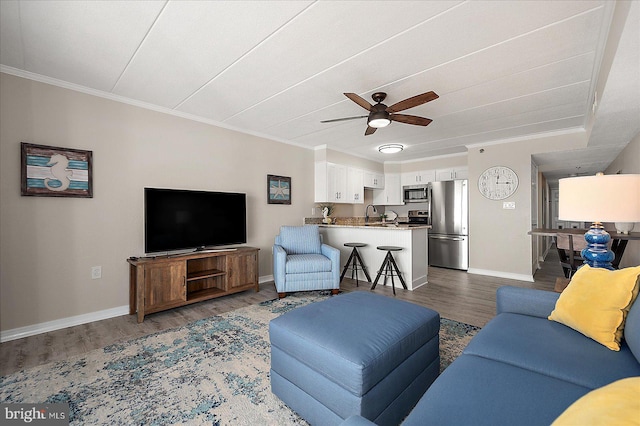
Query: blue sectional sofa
x=523 y=369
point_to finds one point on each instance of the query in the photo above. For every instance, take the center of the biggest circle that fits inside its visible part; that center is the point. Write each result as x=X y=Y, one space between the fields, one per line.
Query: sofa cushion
x=614 y=404
x=553 y=349
x=632 y=329
x=596 y=303
x=478 y=391
x=306 y=263
x=300 y=239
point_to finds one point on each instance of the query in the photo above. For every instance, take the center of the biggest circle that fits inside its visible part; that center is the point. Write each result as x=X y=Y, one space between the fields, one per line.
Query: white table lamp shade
x=600 y=198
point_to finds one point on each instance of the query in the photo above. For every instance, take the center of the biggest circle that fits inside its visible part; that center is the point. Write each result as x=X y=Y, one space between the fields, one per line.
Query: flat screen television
x=176 y=219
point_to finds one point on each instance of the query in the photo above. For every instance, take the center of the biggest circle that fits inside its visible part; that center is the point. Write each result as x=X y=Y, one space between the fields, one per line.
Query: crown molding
x=140 y=104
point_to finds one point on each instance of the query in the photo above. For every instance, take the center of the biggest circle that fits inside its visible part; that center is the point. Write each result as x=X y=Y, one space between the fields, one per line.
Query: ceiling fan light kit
x=379 y=119
x=390 y=148
x=381 y=115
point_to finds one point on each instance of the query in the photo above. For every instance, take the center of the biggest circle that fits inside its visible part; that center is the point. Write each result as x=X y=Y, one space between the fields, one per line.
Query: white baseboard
x=32 y=330
x=265 y=279
x=499 y=274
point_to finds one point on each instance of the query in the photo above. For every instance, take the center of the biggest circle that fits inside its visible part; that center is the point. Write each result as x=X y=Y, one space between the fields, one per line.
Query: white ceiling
x=503 y=69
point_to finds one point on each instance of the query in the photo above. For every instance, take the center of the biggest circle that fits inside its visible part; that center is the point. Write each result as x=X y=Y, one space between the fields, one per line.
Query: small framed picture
x=278 y=189
x=49 y=171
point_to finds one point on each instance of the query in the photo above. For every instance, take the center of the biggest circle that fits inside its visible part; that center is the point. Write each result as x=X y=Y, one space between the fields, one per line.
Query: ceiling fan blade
x=410 y=119
x=413 y=101
x=370 y=130
x=357 y=99
x=333 y=120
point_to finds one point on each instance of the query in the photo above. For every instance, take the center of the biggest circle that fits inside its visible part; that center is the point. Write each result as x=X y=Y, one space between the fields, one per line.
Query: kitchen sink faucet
x=366 y=214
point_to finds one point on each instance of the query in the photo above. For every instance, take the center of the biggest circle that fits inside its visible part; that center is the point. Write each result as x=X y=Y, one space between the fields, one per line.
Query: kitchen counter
x=380 y=225
x=412 y=260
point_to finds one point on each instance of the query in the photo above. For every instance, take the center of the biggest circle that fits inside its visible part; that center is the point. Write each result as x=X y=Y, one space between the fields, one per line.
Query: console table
x=618 y=241
x=164 y=282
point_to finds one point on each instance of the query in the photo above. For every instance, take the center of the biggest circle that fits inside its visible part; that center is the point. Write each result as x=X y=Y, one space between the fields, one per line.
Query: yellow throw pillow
x=615 y=404
x=596 y=303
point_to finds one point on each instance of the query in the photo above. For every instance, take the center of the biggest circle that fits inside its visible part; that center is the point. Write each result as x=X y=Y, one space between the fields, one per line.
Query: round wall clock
x=498 y=183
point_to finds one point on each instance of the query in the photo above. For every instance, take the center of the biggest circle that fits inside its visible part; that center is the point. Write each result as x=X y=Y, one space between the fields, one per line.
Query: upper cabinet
x=355 y=185
x=391 y=195
x=337 y=183
x=452 y=173
x=423 y=177
x=330 y=183
x=418 y=178
x=374 y=180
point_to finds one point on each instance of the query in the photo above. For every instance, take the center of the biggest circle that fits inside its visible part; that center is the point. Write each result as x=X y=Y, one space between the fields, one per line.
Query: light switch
x=509 y=205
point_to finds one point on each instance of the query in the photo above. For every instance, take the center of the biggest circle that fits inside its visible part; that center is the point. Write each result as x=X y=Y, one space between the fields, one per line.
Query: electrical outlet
x=96 y=272
x=509 y=205
x=313 y=211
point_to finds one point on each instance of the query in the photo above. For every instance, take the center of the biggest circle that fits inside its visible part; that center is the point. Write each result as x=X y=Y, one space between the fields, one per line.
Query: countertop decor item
x=327 y=210
x=498 y=183
x=597 y=199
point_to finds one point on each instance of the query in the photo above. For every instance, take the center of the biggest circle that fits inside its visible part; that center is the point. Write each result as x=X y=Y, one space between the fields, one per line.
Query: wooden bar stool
x=389 y=268
x=355 y=263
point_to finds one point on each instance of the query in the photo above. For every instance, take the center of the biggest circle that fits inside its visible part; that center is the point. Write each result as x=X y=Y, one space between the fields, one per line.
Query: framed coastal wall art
x=278 y=189
x=49 y=171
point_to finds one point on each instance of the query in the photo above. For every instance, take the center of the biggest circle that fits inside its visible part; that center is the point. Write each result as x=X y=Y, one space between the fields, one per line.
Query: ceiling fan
x=381 y=115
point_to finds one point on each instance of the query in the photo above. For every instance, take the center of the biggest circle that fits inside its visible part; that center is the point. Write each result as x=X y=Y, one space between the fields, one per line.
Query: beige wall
x=498 y=242
x=48 y=245
x=628 y=162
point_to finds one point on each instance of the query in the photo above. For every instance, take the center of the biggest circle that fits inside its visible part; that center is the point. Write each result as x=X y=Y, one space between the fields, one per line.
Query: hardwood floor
x=454 y=294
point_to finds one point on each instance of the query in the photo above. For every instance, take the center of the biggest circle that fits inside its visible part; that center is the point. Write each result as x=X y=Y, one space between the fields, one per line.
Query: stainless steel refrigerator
x=449 y=235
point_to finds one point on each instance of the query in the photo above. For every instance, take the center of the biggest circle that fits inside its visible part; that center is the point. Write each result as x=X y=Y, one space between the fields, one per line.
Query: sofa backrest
x=632 y=329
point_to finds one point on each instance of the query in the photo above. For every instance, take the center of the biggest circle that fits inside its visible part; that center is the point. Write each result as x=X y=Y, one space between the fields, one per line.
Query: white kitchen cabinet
x=391 y=195
x=337 y=183
x=452 y=173
x=355 y=185
x=330 y=183
x=418 y=178
x=373 y=180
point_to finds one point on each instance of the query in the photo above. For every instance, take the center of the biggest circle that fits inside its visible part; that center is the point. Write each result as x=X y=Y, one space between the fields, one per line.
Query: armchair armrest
x=331 y=252
x=526 y=301
x=279 y=260
x=334 y=255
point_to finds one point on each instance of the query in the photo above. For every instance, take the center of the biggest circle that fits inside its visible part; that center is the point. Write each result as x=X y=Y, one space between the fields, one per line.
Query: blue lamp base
x=597 y=253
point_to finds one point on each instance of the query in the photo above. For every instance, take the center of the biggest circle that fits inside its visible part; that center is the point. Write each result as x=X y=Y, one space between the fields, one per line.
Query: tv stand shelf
x=193 y=276
x=164 y=282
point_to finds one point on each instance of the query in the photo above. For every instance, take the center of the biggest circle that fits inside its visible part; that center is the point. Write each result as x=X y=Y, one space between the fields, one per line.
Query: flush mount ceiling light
x=390 y=148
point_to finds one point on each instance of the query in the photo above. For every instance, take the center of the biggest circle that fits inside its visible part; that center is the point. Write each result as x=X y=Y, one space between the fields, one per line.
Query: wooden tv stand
x=165 y=282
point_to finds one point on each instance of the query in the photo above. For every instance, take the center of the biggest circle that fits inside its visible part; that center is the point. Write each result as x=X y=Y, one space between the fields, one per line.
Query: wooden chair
x=569 y=251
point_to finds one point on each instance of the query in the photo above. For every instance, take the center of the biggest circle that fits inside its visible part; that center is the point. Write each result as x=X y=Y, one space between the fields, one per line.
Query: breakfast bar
x=412 y=260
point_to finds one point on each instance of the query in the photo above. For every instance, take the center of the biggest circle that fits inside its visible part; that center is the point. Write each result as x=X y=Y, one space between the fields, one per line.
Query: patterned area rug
x=213 y=371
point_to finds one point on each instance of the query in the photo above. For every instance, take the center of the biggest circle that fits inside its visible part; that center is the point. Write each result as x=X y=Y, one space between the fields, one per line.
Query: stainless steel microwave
x=415 y=193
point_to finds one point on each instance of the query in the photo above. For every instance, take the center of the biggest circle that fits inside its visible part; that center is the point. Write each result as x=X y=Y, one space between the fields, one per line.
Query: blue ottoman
x=356 y=353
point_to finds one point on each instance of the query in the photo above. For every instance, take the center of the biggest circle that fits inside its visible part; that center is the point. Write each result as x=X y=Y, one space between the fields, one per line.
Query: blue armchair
x=301 y=262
